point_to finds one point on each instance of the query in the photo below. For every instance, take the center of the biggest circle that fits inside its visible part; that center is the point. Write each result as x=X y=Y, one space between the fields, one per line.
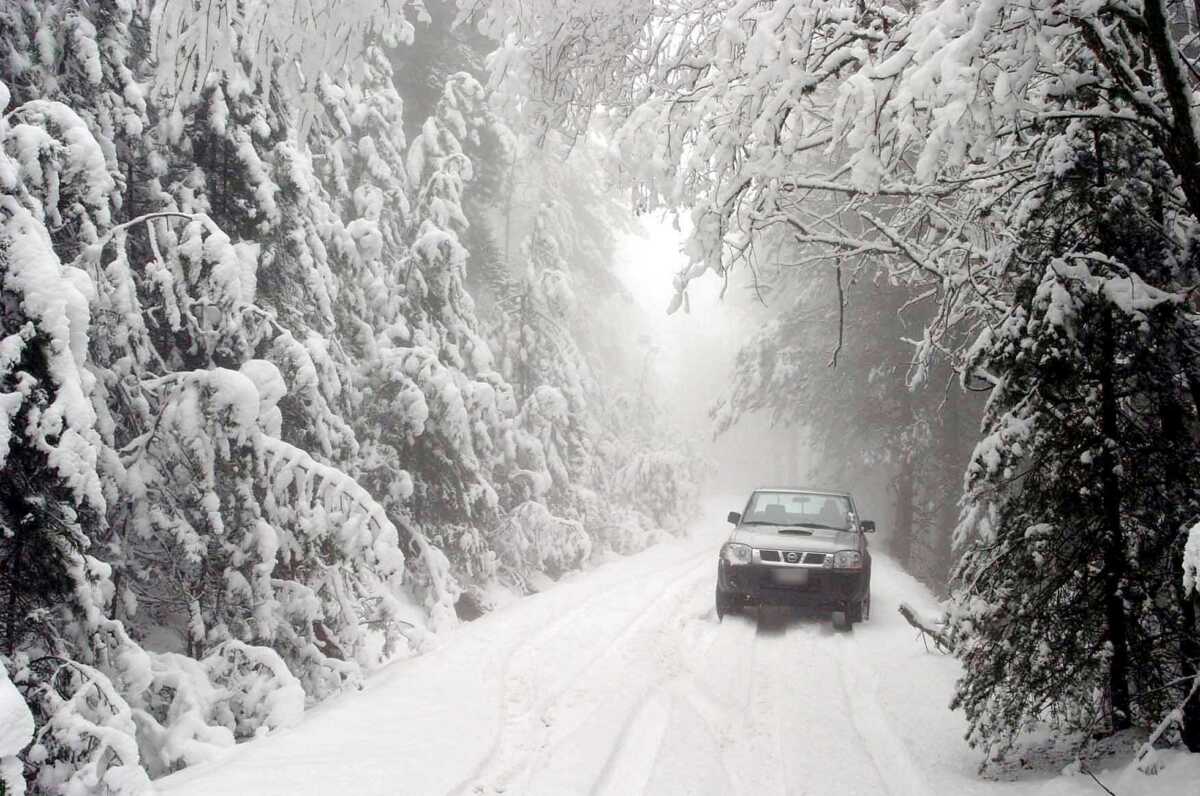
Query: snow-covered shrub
x=662 y=485
x=259 y=693
x=176 y=715
x=545 y=415
x=531 y=539
x=625 y=531
x=191 y=477
x=85 y=740
x=433 y=582
x=345 y=597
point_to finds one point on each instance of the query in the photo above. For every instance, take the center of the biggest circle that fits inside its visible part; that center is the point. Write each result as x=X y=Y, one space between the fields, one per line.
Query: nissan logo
x=791 y=558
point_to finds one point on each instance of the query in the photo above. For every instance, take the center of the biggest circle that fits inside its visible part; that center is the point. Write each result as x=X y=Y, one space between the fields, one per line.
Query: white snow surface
x=16 y=722
x=1191 y=560
x=620 y=680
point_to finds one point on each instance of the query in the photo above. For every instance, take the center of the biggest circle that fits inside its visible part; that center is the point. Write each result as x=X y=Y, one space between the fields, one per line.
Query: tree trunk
x=1174 y=427
x=526 y=350
x=953 y=463
x=9 y=569
x=1178 y=138
x=1189 y=648
x=905 y=485
x=796 y=446
x=1114 y=538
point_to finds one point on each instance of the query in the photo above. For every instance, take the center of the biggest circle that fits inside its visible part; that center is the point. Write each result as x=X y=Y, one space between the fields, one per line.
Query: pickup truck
x=797 y=547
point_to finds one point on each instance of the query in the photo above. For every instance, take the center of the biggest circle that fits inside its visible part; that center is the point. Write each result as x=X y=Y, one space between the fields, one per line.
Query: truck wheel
x=860 y=611
x=725 y=605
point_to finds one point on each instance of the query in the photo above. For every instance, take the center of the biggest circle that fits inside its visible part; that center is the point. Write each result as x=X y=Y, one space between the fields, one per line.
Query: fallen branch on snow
x=1145 y=759
x=940 y=640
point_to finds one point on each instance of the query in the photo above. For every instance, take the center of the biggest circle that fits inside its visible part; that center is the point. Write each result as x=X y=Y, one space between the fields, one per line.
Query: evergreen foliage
x=1070 y=601
x=254 y=440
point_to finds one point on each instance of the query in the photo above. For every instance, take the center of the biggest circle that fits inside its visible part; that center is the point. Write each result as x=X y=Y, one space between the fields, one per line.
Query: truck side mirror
x=733 y=517
x=867 y=526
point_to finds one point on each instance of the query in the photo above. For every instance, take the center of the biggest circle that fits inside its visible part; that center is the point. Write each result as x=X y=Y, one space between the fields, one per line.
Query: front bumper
x=758 y=584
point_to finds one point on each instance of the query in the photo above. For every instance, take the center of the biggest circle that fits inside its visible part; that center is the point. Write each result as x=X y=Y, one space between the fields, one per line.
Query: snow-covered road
x=620 y=680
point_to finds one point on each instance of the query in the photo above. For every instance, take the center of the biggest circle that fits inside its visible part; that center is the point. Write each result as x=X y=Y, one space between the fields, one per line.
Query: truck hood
x=815 y=540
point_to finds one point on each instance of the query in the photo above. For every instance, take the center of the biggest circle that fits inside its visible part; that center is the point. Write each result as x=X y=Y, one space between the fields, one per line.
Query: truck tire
x=726 y=604
x=860 y=611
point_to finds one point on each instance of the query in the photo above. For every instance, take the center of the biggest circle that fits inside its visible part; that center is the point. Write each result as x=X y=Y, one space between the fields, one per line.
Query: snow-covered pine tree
x=54 y=592
x=538 y=355
x=332 y=565
x=1068 y=606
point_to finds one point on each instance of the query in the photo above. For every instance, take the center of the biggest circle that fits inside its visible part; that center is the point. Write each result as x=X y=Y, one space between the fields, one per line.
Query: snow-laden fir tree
x=1069 y=603
x=54 y=592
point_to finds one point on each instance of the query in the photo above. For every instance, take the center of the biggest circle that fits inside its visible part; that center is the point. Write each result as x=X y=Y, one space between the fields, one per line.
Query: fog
x=691 y=370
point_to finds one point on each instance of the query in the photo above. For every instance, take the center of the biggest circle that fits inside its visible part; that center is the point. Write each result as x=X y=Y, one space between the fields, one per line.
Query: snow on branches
x=1191 y=561
x=254 y=440
x=16 y=732
x=308 y=38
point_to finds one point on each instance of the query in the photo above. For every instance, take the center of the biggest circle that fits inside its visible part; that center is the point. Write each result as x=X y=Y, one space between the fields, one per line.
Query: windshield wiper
x=764 y=522
x=818 y=525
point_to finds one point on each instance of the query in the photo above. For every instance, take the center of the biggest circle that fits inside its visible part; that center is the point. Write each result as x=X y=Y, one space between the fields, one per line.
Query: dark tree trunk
x=1114 y=569
x=902 y=535
x=1189 y=648
x=953 y=464
x=1178 y=135
x=1175 y=427
x=8 y=571
x=522 y=371
x=795 y=446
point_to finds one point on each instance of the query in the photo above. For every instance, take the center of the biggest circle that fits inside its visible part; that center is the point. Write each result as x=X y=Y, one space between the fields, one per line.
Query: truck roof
x=803 y=489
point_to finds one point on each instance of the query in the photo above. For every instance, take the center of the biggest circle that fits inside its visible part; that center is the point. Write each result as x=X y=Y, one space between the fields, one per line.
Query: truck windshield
x=812 y=509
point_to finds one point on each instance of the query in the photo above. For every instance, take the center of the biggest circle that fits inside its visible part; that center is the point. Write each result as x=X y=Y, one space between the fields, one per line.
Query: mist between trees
x=312 y=344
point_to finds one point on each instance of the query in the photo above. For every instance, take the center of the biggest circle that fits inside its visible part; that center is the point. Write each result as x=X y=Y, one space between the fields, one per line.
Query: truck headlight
x=847 y=559
x=735 y=553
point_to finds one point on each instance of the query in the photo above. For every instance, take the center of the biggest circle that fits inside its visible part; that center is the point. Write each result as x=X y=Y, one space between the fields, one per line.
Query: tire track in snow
x=820 y=749
x=718 y=690
x=748 y=747
x=898 y=771
x=772 y=718
x=800 y=663
x=685 y=636
x=664 y=653
x=520 y=713
x=627 y=769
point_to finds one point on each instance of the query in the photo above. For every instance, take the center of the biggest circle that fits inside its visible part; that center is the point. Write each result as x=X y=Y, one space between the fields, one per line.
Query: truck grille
x=786 y=556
